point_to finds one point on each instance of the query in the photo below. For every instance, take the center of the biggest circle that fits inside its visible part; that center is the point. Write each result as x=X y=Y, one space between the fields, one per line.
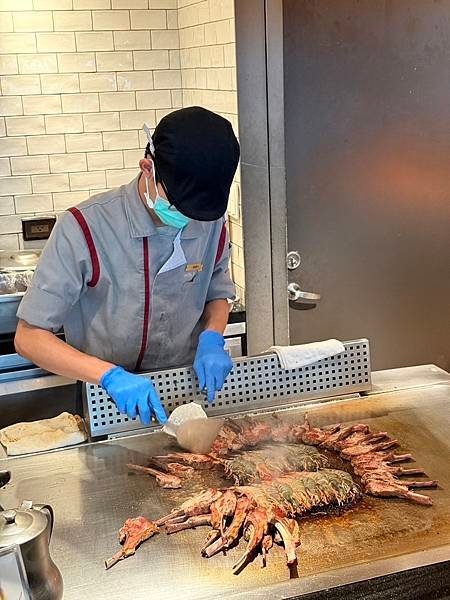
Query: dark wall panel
x=367 y=117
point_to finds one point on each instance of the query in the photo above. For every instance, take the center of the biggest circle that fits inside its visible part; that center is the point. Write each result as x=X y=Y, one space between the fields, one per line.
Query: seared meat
x=237 y=434
x=272 y=461
x=198 y=505
x=164 y=480
x=371 y=459
x=259 y=511
x=370 y=454
x=172 y=468
x=386 y=485
x=131 y=535
x=275 y=484
x=180 y=470
x=198 y=461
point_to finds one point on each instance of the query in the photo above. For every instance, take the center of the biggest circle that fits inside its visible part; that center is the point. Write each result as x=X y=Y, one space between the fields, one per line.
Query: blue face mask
x=167 y=213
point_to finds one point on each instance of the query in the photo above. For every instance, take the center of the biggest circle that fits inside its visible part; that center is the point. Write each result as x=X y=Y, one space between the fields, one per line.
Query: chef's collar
x=140 y=222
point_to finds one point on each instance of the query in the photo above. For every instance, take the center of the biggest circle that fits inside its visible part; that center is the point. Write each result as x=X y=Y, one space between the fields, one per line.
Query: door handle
x=296 y=294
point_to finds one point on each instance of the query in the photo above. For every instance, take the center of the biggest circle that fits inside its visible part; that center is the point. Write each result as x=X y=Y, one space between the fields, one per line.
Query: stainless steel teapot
x=31 y=526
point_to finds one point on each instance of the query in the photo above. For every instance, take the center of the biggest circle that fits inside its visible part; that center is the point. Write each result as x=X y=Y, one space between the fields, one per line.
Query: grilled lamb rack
x=131 y=535
x=370 y=453
x=282 y=483
x=198 y=505
x=272 y=461
x=197 y=461
x=180 y=470
x=164 y=480
x=263 y=512
x=236 y=435
x=372 y=459
x=171 y=468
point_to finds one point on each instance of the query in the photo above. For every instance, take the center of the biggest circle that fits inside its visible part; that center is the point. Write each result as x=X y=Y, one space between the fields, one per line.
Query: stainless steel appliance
x=235 y=339
x=27 y=392
x=16 y=270
x=93 y=494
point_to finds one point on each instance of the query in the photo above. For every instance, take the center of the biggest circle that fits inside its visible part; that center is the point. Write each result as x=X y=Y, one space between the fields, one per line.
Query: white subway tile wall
x=74 y=79
x=79 y=77
x=207 y=56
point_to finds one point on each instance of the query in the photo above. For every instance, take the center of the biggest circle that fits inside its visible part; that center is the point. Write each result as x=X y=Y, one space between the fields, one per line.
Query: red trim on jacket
x=146 y=305
x=90 y=244
x=221 y=244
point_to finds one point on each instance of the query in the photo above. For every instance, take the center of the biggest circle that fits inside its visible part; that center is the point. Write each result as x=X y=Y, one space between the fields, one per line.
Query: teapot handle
x=49 y=509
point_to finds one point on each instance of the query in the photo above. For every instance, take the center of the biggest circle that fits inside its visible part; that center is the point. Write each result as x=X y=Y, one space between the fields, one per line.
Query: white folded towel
x=294 y=357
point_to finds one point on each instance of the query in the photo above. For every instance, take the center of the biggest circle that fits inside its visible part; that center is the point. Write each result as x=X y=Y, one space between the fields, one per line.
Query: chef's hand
x=133 y=395
x=212 y=363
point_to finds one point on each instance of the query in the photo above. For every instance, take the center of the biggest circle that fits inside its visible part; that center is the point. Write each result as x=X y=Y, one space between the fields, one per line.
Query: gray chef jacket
x=123 y=289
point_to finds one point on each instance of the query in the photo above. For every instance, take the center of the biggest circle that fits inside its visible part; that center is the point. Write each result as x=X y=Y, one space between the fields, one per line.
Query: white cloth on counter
x=294 y=357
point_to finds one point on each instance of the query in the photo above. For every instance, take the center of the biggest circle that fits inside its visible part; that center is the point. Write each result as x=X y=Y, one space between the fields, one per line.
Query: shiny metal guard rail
x=256 y=382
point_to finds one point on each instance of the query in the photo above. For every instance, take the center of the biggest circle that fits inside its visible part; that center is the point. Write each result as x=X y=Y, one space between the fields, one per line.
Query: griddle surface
x=93 y=493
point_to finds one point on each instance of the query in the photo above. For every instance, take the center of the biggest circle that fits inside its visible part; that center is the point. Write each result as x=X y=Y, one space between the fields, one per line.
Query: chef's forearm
x=47 y=351
x=215 y=316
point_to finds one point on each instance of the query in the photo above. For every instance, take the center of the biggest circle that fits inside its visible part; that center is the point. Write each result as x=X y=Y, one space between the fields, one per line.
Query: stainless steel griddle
x=93 y=493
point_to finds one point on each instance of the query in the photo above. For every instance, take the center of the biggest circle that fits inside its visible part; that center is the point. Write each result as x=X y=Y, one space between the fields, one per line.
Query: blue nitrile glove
x=212 y=363
x=133 y=395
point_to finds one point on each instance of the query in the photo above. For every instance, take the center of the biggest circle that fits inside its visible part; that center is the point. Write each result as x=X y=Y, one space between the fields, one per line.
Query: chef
x=138 y=275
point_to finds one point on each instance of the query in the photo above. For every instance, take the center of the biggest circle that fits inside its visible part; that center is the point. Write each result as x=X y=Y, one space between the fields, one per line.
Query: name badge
x=194 y=267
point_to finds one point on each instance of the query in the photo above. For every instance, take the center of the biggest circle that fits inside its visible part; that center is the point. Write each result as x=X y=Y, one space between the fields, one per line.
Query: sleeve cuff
x=43 y=309
x=221 y=290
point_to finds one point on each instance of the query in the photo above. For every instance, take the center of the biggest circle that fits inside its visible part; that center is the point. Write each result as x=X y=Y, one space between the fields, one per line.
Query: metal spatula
x=189 y=423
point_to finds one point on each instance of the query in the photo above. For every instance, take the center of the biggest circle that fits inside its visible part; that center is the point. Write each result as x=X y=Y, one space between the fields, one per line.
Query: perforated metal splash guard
x=255 y=383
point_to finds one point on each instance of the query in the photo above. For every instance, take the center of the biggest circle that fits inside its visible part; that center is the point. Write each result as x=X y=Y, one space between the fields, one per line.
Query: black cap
x=196 y=156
